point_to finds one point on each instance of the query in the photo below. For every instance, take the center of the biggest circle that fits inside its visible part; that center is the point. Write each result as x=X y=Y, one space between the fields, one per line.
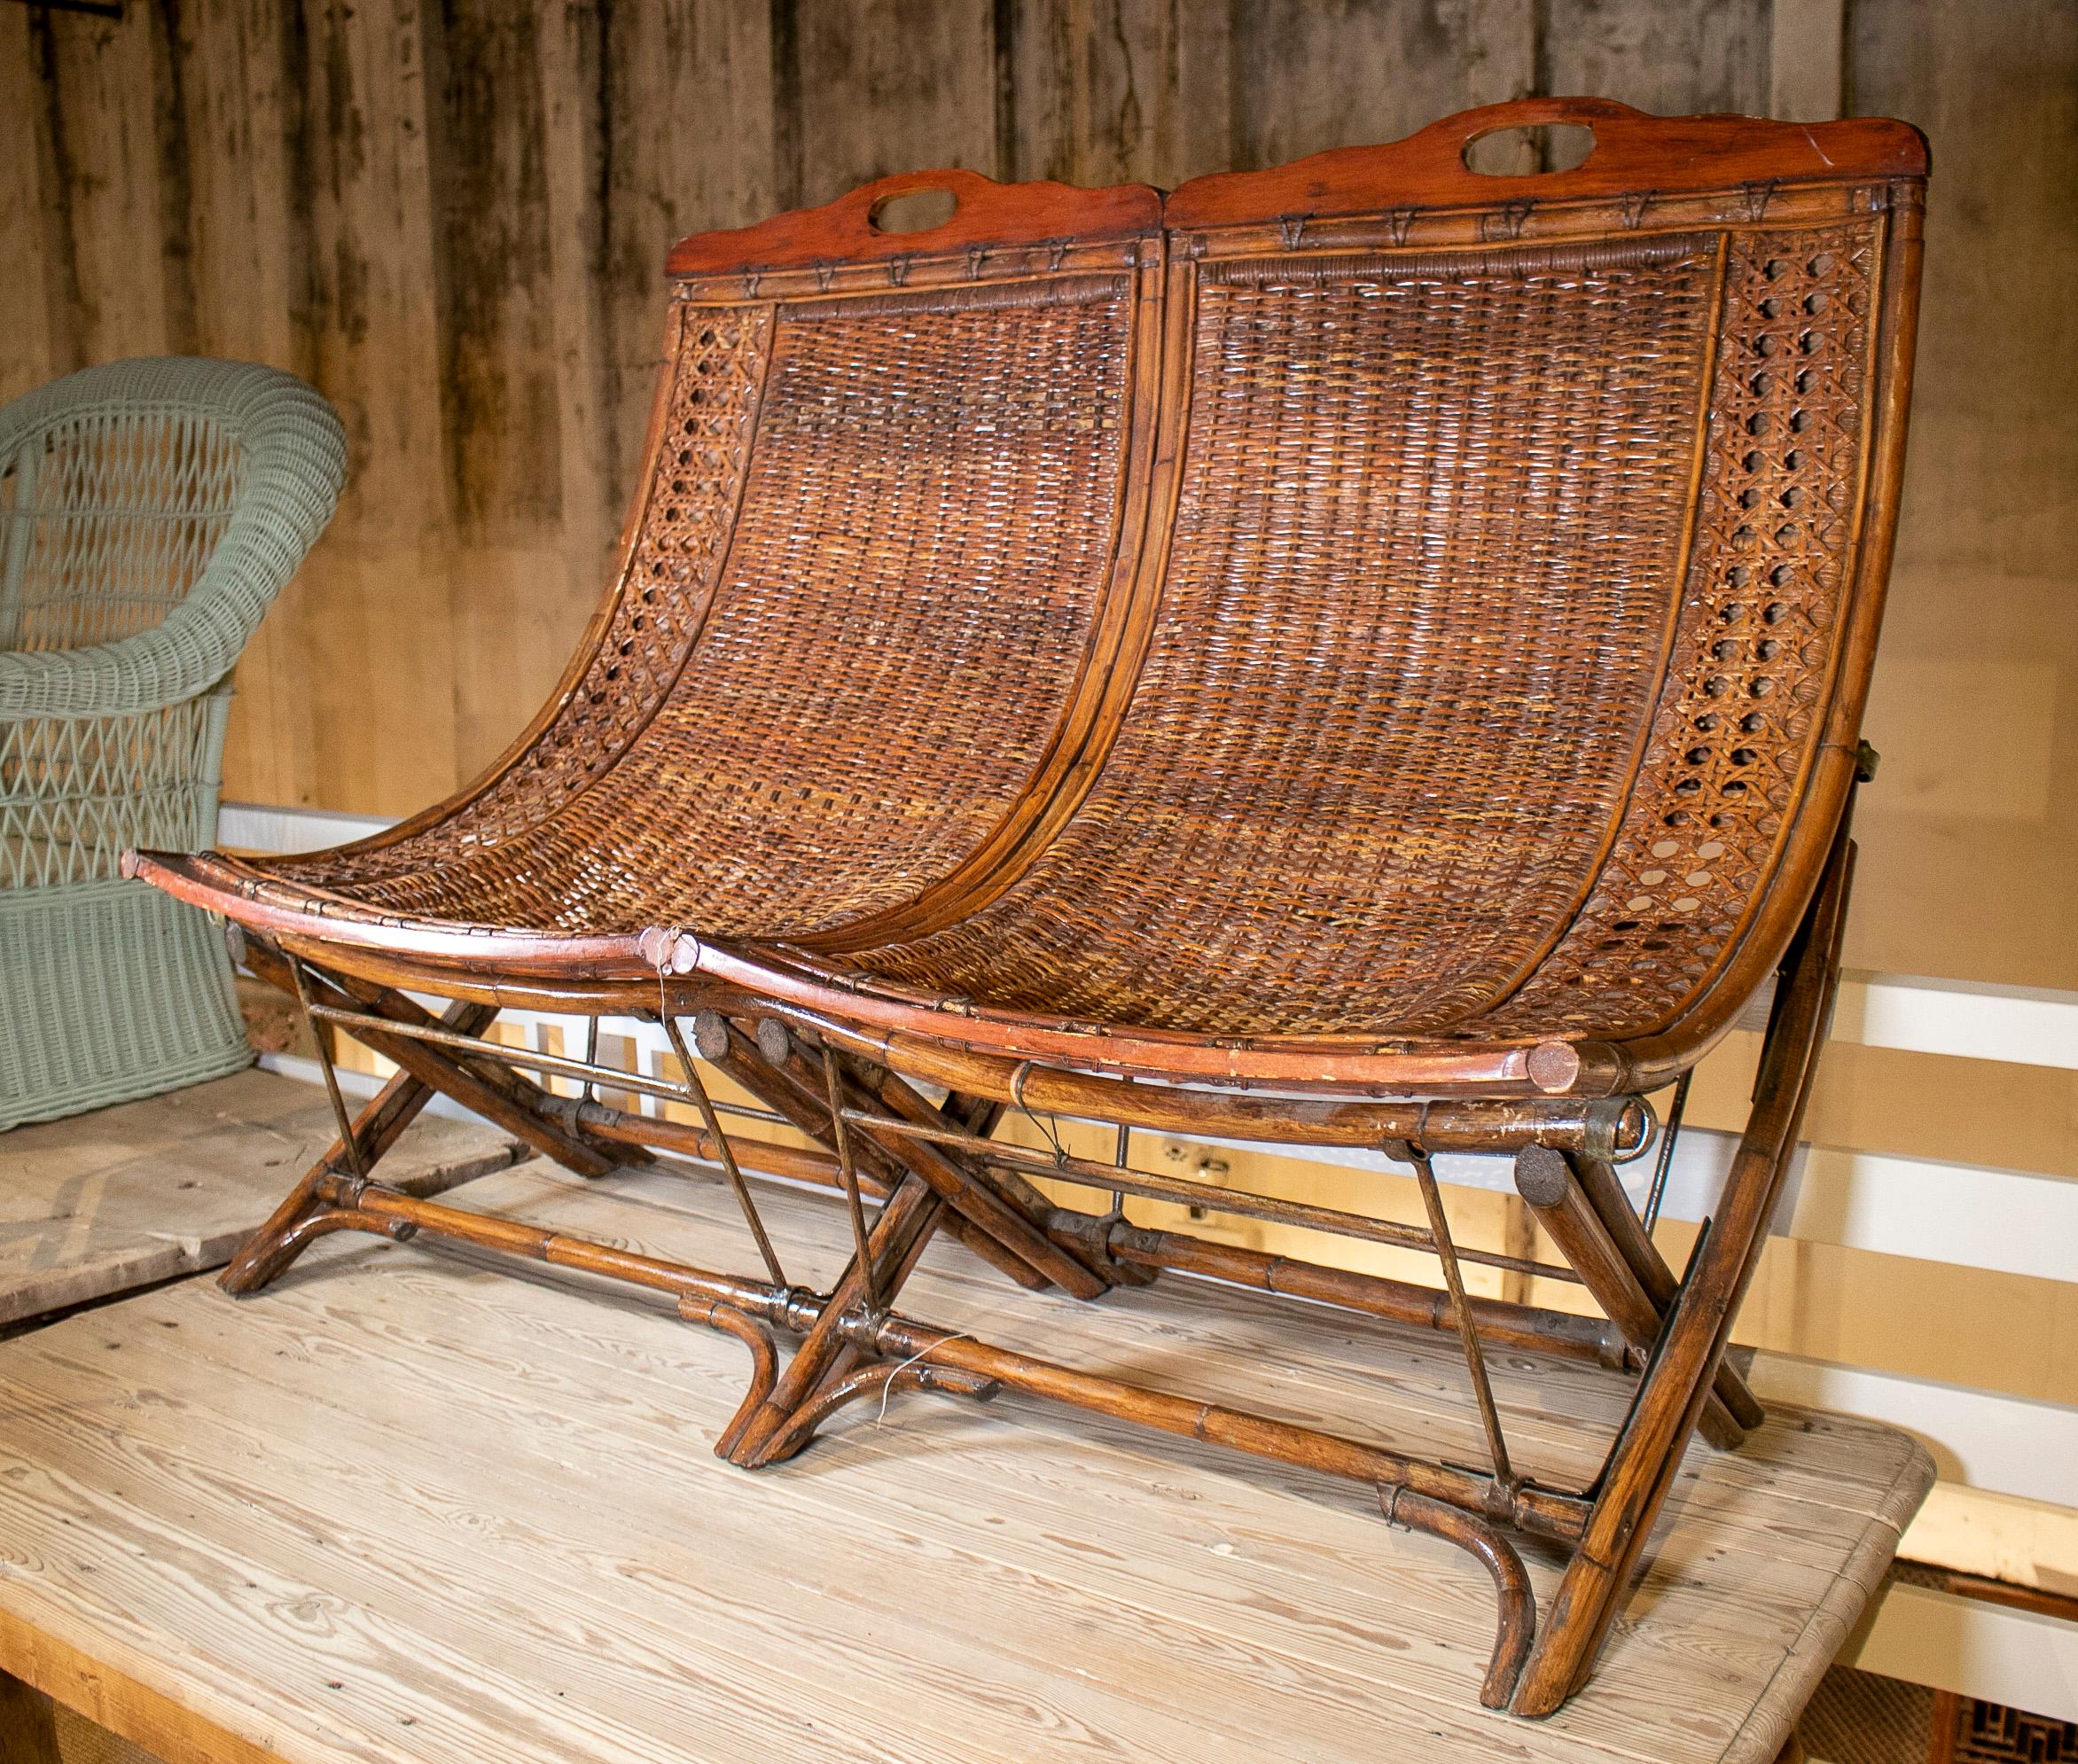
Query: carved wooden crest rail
x=1365 y=654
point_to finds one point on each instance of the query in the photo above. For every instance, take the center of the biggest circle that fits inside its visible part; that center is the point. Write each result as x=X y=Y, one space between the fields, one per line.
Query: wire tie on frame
x=887 y=1388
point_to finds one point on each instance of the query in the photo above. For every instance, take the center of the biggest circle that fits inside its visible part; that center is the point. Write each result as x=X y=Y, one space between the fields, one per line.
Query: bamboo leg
x=764 y=1359
x=729 y=1050
x=1647 y=1453
x=826 y=1355
x=1517 y=1625
x=1599 y=1181
x=1548 y=1181
x=978 y=1201
x=270 y=1250
x=497 y=1093
x=882 y=1378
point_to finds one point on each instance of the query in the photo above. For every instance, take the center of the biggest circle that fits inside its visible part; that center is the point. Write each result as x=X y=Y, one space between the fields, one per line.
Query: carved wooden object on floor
x=1365 y=652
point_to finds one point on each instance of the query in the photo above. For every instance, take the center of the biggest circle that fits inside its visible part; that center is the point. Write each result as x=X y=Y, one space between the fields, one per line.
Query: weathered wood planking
x=121 y=1197
x=404 y=1508
x=453 y=219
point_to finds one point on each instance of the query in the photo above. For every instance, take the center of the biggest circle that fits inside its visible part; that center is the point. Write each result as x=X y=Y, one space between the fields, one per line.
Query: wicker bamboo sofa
x=150 y=512
x=1362 y=653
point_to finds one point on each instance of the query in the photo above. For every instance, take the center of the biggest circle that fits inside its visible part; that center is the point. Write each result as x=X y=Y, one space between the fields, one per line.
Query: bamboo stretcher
x=1364 y=654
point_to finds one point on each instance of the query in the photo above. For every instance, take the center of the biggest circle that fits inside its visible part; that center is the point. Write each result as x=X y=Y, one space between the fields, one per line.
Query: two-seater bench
x=1364 y=654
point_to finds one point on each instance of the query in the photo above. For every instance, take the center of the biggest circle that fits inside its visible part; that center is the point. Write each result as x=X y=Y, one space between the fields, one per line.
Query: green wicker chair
x=150 y=512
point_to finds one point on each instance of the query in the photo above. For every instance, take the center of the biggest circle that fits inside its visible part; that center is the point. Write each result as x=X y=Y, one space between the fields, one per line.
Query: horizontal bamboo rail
x=1530 y=1329
x=1150 y=1186
x=351 y=1205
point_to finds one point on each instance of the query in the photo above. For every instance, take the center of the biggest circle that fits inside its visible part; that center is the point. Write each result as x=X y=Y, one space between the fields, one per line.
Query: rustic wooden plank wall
x=452 y=218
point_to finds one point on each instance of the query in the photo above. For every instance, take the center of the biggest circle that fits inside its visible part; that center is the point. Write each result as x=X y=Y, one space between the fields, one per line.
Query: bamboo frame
x=854 y=1343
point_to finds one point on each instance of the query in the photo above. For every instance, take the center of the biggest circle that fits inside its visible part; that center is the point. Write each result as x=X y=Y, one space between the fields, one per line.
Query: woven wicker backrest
x=150 y=511
x=109 y=510
x=1361 y=596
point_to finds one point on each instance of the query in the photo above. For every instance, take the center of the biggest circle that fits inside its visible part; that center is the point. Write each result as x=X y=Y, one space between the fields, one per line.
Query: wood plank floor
x=403 y=1506
x=126 y=1197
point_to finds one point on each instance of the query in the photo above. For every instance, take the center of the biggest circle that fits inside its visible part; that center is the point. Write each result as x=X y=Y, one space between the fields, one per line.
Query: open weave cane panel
x=1423 y=567
x=74 y=791
x=718 y=357
x=928 y=520
x=1738 y=722
x=106 y=521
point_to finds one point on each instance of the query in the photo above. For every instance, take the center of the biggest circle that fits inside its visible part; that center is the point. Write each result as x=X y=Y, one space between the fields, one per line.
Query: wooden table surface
x=402 y=1508
x=126 y=1197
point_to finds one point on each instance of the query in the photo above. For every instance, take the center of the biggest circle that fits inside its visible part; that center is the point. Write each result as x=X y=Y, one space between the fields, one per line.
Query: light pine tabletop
x=402 y=1507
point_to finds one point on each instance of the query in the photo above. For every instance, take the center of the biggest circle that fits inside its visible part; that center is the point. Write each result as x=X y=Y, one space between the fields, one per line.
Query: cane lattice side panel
x=1738 y=720
x=929 y=510
x=718 y=354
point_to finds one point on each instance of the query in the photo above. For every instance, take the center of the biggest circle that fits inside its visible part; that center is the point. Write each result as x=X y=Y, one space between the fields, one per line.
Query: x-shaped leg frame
x=927 y=1167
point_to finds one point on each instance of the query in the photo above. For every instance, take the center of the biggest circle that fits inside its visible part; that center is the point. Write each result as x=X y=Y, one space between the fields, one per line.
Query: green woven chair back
x=150 y=511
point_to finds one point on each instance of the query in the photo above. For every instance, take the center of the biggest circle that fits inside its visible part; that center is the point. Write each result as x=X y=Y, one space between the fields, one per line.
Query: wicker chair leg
x=980 y=1202
x=1515 y=1625
x=1647 y=1454
x=764 y=1360
x=725 y=1047
x=1548 y=1181
x=883 y=1379
x=1732 y=1401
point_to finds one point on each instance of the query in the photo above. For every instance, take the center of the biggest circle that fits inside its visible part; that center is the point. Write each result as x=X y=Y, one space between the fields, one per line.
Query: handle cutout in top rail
x=913 y=211
x=1528 y=150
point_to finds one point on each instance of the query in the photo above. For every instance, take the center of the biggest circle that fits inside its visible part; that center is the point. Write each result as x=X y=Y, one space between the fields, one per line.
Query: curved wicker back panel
x=1431 y=510
x=924 y=518
x=1388 y=765
x=1357 y=599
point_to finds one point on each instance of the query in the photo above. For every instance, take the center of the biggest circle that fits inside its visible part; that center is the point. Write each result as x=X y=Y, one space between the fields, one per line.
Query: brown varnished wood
x=1643 y=1460
x=1633 y=151
x=987 y=214
x=1549 y=1182
x=1051 y=659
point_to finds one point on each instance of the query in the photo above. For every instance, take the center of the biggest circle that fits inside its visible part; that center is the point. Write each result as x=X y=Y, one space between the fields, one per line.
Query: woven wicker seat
x=1362 y=629
x=150 y=511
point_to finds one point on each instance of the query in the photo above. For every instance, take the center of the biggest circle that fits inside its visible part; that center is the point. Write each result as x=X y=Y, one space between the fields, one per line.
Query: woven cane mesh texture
x=718 y=357
x=1736 y=727
x=150 y=511
x=926 y=526
x=1416 y=595
x=1496 y=629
